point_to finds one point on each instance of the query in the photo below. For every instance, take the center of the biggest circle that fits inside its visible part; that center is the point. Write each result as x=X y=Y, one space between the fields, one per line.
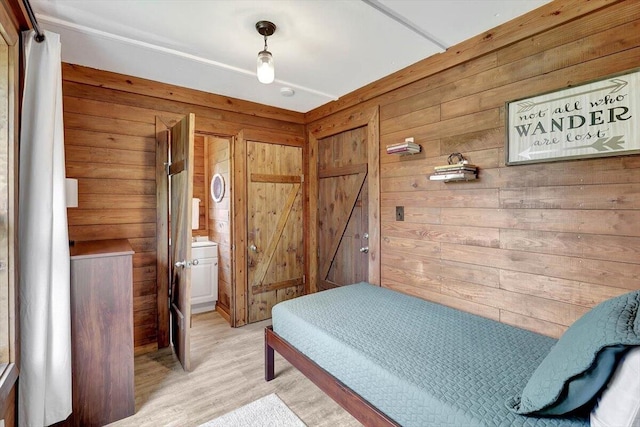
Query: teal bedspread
x=422 y=364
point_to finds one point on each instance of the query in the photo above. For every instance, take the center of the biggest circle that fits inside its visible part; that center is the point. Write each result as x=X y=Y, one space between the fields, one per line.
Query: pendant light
x=265 y=69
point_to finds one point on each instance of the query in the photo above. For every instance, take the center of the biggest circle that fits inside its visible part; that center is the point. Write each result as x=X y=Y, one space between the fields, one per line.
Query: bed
x=392 y=359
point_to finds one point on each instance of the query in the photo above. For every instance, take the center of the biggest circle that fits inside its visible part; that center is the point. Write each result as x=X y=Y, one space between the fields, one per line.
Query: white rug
x=268 y=411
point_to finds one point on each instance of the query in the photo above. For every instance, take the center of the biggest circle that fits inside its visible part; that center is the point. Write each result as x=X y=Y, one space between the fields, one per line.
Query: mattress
x=422 y=364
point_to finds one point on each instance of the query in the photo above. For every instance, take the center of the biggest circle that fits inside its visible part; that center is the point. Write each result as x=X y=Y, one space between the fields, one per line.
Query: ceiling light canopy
x=266 y=70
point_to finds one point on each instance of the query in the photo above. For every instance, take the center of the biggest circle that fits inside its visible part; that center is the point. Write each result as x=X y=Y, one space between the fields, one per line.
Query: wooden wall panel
x=116 y=188
x=110 y=147
x=200 y=184
x=529 y=245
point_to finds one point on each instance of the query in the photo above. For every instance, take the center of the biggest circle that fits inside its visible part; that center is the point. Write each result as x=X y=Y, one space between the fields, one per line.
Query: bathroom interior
x=211 y=226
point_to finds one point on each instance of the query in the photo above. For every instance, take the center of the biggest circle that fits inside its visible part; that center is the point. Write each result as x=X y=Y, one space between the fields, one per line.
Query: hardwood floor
x=227 y=372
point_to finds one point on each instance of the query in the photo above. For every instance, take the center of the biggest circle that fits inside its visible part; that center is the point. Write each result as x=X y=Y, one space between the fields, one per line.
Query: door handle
x=364 y=250
x=186 y=264
x=253 y=248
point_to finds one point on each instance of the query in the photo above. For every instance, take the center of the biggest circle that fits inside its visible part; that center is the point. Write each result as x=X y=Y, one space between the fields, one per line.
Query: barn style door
x=343 y=235
x=275 y=240
x=181 y=192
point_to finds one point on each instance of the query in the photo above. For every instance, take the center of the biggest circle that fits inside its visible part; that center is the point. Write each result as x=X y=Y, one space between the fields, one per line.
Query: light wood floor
x=227 y=372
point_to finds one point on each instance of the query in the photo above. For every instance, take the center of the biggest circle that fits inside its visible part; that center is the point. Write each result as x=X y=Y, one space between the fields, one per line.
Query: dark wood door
x=275 y=252
x=343 y=209
x=181 y=193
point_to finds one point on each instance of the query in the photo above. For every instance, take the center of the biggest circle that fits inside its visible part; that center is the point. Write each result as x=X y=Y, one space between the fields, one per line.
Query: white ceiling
x=323 y=49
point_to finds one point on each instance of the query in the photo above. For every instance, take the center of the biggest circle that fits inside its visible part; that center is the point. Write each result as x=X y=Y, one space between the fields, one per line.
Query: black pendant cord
x=34 y=22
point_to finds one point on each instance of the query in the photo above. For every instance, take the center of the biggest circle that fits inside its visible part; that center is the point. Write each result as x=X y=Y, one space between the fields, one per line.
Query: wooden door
x=343 y=228
x=275 y=253
x=181 y=193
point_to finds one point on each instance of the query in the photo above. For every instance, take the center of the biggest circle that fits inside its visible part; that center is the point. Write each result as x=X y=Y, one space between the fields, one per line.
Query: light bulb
x=266 y=70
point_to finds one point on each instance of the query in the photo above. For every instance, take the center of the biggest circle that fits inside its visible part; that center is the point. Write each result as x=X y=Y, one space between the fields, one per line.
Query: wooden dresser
x=102 y=332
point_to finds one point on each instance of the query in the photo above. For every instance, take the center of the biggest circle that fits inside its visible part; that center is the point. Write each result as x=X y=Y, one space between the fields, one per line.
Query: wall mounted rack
x=407 y=147
x=462 y=170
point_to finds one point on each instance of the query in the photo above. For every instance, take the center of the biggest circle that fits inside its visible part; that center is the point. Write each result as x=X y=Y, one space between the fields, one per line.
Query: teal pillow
x=582 y=361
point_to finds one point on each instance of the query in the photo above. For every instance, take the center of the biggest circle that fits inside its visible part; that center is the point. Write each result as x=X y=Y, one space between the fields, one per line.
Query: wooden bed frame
x=352 y=402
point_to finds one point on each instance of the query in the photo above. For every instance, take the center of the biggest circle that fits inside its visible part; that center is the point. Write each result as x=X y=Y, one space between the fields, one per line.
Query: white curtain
x=45 y=324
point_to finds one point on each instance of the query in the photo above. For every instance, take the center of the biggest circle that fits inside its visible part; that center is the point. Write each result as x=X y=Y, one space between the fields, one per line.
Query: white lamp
x=266 y=70
x=71 y=192
x=265 y=66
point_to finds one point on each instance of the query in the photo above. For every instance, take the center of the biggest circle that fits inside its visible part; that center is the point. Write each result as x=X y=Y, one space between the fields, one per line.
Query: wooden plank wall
x=109 y=122
x=111 y=151
x=530 y=245
x=200 y=184
x=218 y=161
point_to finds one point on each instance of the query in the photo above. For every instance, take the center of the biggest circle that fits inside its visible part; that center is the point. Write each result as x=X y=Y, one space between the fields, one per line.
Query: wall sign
x=592 y=120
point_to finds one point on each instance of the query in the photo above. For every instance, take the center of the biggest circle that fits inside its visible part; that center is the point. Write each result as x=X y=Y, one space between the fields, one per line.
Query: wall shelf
x=406 y=148
x=455 y=176
x=460 y=171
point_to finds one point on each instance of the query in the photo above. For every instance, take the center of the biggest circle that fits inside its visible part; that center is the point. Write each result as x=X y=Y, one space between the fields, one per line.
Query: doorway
x=269 y=241
x=181 y=175
x=343 y=211
x=344 y=197
x=275 y=256
x=218 y=161
x=251 y=162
